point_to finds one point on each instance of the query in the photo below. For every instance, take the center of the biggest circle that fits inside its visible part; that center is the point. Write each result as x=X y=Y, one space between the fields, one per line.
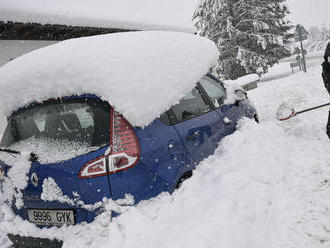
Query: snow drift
x=266 y=186
x=141 y=73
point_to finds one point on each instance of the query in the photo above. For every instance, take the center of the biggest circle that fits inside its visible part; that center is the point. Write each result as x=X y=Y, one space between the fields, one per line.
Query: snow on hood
x=140 y=73
x=127 y=14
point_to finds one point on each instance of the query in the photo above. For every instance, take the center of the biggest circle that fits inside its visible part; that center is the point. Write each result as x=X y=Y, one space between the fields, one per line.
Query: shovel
x=293 y=113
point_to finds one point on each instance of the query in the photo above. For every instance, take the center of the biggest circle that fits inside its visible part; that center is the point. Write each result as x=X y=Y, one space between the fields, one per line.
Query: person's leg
x=328 y=126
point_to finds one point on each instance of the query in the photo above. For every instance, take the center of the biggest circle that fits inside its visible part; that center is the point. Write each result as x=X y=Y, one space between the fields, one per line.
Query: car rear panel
x=76 y=194
x=162 y=162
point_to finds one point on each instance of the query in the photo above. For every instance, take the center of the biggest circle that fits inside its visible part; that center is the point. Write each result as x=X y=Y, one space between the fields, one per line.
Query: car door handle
x=227 y=121
x=193 y=136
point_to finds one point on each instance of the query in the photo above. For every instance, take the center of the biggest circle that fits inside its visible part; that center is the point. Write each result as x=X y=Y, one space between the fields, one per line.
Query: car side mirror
x=216 y=103
x=240 y=95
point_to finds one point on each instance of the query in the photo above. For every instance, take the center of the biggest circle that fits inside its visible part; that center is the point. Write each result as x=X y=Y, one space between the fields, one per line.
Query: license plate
x=51 y=217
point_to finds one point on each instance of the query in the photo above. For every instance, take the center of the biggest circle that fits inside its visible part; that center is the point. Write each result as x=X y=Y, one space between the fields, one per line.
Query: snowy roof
x=141 y=73
x=123 y=14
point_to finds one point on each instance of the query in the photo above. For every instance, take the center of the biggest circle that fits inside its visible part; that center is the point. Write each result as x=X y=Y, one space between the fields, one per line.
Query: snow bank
x=249 y=194
x=140 y=73
x=266 y=186
x=127 y=14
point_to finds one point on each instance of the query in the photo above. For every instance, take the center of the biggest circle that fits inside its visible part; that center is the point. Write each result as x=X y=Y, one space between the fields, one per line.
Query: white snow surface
x=126 y=14
x=267 y=185
x=140 y=73
x=17 y=178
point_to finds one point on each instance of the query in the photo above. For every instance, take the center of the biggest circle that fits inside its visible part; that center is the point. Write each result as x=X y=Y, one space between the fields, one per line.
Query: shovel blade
x=285 y=112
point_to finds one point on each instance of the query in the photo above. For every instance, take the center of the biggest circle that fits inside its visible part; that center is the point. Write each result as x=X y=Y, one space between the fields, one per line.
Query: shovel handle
x=309 y=109
x=303 y=111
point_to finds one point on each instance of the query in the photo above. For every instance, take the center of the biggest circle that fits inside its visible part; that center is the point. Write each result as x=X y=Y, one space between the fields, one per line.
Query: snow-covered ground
x=283 y=69
x=267 y=185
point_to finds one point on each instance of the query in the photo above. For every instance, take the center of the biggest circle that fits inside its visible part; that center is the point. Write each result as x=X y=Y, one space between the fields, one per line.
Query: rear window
x=85 y=121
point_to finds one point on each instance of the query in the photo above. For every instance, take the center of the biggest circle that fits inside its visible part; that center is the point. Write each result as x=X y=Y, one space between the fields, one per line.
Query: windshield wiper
x=33 y=157
x=9 y=151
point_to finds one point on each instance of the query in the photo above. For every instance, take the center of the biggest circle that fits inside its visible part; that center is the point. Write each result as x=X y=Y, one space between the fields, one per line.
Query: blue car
x=115 y=159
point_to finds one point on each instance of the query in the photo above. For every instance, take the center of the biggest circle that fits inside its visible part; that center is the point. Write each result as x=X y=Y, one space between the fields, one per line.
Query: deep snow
x=141 y=74
x=266 y=186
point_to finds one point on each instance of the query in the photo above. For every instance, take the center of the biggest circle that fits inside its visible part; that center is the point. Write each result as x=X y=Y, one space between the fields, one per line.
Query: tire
x=183 y=178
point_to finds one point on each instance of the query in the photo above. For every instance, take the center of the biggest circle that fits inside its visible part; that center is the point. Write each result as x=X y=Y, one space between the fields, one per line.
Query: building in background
x=47 y=22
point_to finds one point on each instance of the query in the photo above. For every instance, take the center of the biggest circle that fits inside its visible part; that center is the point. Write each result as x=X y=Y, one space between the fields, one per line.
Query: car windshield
x=83 y=121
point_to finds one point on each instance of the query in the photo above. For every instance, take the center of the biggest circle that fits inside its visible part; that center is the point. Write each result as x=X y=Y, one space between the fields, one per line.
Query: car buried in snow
x=66 y=151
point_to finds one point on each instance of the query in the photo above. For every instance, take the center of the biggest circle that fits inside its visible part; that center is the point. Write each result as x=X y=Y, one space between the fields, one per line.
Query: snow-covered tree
x=325 y=33
x=250 y=34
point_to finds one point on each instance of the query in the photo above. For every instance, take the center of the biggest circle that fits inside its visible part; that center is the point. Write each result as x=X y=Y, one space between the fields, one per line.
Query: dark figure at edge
x=326 y=77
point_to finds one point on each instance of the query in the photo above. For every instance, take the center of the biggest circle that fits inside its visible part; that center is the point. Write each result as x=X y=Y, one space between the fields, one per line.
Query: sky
x=309 y=12
x=129 y=14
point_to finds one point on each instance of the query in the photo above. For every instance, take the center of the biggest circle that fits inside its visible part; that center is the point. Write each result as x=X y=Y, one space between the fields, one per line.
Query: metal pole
x=303 y=111
x=309 y=109
x=302 y=49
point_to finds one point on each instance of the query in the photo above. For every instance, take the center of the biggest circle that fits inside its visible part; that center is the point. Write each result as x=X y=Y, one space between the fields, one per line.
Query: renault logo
x=34 y=179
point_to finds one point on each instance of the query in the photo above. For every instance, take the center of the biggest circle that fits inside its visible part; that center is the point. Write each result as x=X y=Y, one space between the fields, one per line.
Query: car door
x=228 y=113
x=198 y=125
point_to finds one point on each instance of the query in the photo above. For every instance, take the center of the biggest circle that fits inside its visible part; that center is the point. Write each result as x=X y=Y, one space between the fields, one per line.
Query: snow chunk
x=17 y=178
x=226 y=120
x=141 y=73
x=51 y=192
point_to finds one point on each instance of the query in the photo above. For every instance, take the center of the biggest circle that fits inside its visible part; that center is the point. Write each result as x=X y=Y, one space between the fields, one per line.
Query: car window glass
x=214 y=89
x=190 y=106
x=81 y=111
x=81 y=121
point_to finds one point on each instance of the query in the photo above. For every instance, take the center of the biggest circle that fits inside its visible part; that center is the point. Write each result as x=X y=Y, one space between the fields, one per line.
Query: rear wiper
x=9 y=151
x=33 y=157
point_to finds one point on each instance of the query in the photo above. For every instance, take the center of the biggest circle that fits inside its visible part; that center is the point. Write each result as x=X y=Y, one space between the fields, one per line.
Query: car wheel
x=184 y=177
x=256 y=118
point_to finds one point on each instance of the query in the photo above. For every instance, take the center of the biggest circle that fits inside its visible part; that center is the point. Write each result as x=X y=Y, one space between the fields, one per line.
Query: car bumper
x=30 y=242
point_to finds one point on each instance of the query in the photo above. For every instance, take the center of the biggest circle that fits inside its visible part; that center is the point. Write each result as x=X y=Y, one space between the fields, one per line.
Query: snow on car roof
x=127 y=14
x=140 y=73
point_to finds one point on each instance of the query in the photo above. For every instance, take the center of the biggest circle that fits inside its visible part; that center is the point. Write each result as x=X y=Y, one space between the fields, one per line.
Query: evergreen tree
x=325 y=33
x=250 y=34
x=315 y=34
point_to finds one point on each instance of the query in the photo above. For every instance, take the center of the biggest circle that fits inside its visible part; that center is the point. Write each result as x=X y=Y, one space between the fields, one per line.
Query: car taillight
x=123 y=154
